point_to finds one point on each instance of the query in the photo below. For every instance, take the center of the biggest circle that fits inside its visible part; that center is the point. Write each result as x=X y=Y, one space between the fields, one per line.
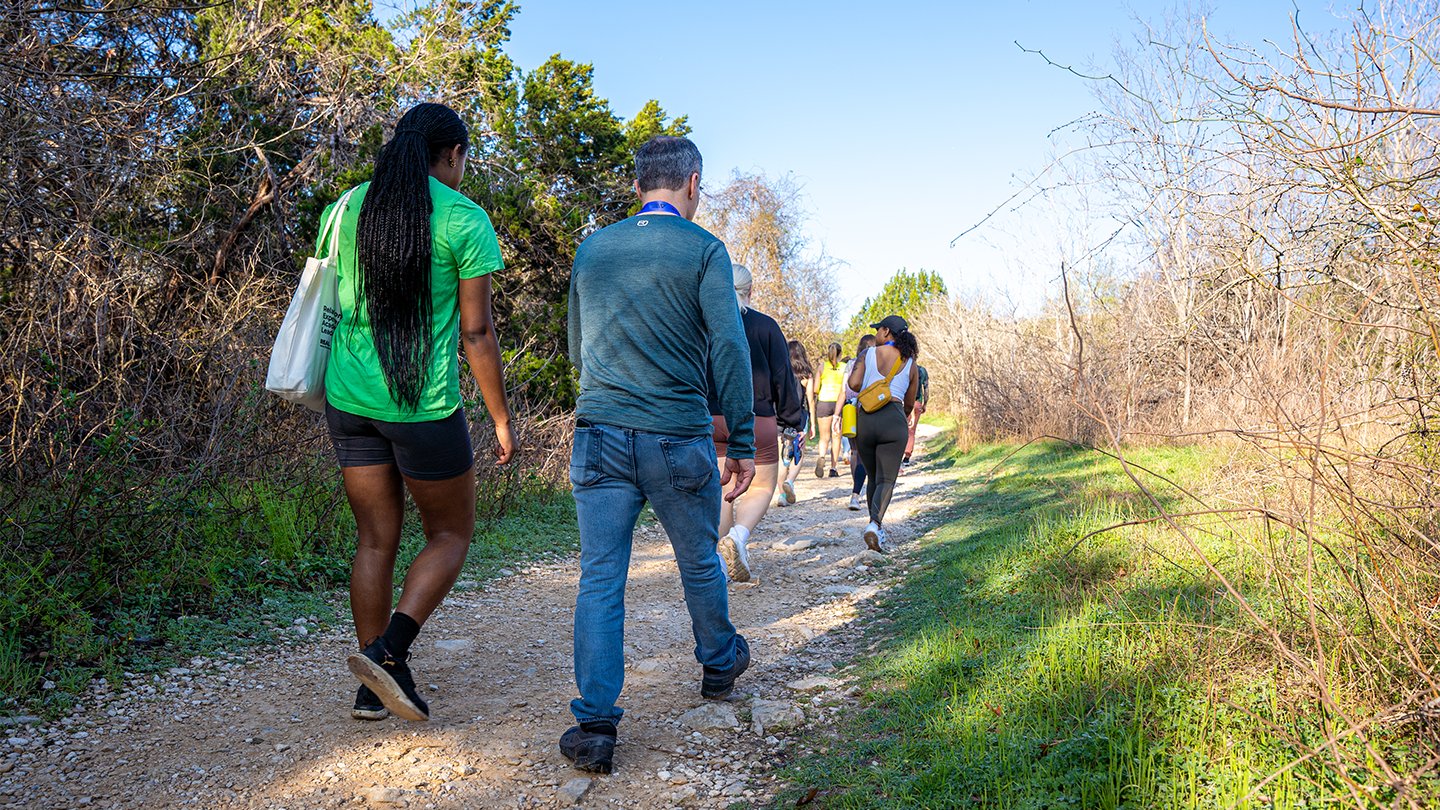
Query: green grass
x=1026 y=669
x=221 y=570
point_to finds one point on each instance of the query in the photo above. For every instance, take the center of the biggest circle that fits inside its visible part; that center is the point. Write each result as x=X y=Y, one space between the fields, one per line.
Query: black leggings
x=880 y=439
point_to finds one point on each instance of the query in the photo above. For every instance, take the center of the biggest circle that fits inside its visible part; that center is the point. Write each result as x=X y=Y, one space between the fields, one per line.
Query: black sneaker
x=389 y=678
x=834 y=473
x=368 y=706
x=717 y=684
x=591 y=751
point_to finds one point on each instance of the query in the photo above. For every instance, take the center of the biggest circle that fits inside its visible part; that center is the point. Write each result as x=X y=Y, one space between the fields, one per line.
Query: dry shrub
x=1287 y=303
x=760 y=220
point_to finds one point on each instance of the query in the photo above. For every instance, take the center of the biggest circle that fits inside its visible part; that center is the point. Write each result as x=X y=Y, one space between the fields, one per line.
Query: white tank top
x=899 y=384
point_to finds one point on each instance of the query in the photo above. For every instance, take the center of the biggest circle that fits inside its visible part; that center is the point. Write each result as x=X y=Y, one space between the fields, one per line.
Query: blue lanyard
x=888 y=343
x=659 y=205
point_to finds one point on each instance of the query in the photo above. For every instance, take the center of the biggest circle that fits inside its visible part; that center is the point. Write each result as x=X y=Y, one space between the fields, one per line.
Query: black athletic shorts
x=437 y=450
x=824 y=409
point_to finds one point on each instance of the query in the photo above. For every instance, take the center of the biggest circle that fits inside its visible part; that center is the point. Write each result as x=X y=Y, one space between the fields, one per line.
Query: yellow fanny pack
x=877 y=394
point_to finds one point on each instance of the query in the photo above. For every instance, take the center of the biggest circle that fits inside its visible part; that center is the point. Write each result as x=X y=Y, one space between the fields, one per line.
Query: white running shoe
x=875 y=537
x=734 y=555
x=788 y=493
x=855 y=504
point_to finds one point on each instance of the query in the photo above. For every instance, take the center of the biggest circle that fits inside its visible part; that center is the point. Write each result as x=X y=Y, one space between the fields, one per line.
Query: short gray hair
x=666 y=161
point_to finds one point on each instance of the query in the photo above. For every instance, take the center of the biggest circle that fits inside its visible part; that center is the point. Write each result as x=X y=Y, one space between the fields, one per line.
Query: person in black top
x=794 y=445
x=777 y=402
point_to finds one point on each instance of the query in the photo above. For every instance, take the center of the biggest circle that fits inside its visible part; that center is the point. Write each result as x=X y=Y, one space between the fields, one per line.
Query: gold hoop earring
x=451 y=161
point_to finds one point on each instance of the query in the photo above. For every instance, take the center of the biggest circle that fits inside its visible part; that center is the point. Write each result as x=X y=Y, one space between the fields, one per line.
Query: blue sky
x=906 y=122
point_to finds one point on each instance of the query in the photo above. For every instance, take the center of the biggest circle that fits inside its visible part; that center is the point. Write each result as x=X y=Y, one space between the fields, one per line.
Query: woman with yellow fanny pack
x=887 y=380
x=829 y=381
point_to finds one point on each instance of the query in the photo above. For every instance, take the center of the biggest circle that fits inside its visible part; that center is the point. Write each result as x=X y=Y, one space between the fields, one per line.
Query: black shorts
x=824 y=409
x=437 y=450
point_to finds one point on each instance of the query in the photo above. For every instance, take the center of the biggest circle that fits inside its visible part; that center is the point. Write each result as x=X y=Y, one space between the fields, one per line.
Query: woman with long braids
x=827 y=384
x=414 y=264
x=880 y=436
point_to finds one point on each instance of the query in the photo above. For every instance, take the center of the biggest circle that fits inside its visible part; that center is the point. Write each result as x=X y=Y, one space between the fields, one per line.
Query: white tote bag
x=302 y=349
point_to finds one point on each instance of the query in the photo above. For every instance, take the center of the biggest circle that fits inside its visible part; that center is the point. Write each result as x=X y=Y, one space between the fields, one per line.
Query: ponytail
x=393 y=249
x=905 y=341
x=832 y=355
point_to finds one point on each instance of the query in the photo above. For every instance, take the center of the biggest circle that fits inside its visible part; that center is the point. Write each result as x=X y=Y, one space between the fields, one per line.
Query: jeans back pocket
x=691 y=463
x=585 y=456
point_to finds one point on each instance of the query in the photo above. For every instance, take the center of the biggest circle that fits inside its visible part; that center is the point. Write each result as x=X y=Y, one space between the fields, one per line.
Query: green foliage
x=906 y=294
x=205 y=569
x=1025 y=668
x=151 y=478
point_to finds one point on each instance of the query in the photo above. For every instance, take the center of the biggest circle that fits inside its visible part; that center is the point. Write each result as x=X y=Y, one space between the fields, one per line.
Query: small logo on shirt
x=644 y=222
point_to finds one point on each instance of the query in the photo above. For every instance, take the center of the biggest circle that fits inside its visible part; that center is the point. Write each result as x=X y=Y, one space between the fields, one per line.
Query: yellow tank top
x=831 y=383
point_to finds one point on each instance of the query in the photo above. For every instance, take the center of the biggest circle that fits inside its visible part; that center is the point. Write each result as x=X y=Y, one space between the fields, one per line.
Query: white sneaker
x=875 y=536
x=855 y=505
x=787 y=490
x=733 y=554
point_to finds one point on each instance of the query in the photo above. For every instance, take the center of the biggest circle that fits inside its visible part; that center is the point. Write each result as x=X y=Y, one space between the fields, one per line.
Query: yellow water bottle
x=847 y=420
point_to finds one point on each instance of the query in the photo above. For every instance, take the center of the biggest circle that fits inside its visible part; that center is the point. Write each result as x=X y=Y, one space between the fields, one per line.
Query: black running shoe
x=834 y=473
x=591 y=751
x=718 y=684
x=389 y=678
x=368 y=706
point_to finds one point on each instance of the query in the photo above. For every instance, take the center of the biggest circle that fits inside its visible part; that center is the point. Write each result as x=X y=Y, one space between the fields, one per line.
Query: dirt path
x=270 y=728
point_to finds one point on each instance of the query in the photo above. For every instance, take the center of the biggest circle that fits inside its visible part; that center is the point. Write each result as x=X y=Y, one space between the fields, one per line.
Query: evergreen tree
x=906 y=294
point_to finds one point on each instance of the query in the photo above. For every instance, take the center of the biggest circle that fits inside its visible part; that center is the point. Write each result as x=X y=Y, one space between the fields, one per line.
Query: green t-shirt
x=462 y=245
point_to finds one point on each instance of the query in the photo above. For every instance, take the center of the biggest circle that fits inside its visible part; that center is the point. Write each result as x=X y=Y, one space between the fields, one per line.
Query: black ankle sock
x=401 y=632
x=599 y=727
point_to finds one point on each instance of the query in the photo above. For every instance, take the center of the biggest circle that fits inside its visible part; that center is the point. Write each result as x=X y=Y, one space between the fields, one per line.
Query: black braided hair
x=392 y=244
x=907 y=344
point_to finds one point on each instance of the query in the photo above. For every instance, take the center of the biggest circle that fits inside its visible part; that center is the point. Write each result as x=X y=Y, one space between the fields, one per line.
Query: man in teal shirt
x=652 y=305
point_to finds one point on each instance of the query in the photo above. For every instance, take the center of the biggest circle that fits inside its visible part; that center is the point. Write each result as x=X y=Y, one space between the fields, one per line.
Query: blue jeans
x=614 y=471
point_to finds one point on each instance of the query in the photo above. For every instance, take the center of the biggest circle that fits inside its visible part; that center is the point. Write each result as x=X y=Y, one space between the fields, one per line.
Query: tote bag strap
x=331 y=226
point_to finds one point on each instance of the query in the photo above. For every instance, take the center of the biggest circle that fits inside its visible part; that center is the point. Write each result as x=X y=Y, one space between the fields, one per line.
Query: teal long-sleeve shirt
x=652 y=305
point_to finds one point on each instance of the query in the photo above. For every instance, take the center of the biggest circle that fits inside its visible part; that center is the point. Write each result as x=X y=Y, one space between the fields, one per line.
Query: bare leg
x=751 y=507
x=447 y=513
x=377 y=499
x=727 y=510
x=826 y=441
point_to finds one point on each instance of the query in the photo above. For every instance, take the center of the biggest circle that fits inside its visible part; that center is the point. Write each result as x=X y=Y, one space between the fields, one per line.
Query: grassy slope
x=1118 y=675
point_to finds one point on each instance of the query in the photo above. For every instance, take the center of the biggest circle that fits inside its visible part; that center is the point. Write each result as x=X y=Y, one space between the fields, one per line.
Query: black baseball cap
x=894 y=323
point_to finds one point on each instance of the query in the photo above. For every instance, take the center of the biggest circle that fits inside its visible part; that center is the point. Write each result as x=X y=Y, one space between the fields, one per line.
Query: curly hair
x=905 y=341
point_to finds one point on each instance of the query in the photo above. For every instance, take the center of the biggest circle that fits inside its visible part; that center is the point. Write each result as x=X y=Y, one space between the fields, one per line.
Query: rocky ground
x=269 y=727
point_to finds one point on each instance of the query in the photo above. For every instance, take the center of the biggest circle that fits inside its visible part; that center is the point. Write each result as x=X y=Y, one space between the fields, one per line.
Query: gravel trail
x=269 y=727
